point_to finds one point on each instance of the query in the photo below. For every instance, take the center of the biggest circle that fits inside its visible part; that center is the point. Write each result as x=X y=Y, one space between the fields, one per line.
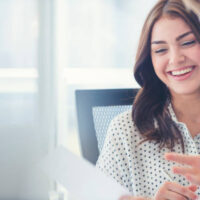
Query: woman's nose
x=177 y=58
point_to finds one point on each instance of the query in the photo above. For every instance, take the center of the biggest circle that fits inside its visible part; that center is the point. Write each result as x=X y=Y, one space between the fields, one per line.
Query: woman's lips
x=186 y=73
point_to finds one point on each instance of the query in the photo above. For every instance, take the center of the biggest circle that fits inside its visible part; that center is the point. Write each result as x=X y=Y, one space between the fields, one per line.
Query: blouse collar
x=172 y=113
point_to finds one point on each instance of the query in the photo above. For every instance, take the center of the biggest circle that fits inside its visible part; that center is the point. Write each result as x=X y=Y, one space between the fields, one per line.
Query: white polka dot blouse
x=142 y=168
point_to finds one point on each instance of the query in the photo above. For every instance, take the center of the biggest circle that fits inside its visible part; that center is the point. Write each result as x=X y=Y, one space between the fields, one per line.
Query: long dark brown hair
x=151 y=100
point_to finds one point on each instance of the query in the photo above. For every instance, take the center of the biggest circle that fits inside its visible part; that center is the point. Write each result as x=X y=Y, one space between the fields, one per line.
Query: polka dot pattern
x=102 y=116
x=142 y=168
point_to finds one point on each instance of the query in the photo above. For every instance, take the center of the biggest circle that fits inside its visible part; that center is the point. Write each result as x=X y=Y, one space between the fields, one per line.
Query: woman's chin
x=186 y=91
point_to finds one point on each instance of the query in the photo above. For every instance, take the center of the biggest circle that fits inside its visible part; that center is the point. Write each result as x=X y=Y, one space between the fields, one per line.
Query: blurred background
x=48 y=49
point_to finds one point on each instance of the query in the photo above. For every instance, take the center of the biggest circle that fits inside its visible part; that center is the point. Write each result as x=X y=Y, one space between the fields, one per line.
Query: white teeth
x=181 y=71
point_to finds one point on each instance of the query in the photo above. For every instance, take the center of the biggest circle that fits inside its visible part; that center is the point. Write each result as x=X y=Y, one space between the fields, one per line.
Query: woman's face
x=175 y=56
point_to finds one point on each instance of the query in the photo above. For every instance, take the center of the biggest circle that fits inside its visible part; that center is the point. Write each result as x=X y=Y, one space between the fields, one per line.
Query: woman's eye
x=188 y=43
x=160 y=50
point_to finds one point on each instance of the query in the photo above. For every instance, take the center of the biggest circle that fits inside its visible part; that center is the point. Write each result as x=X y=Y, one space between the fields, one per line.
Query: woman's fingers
x=183 y=159
x=192 y=173
x=183 y=170
x=173 y=196
x=169 y=191
x=193 y=188
x=172 y=191
x=193 y=179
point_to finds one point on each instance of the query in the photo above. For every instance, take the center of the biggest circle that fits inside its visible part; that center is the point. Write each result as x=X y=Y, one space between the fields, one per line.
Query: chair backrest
x=95 y=110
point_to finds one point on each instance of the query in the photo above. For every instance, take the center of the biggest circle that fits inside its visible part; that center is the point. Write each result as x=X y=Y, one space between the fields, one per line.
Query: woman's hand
x=191 y=171
x=174 y=191
x=170 y=191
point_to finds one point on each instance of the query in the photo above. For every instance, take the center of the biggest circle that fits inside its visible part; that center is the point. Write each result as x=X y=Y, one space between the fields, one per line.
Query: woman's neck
x=187 y=107
x=187 y=110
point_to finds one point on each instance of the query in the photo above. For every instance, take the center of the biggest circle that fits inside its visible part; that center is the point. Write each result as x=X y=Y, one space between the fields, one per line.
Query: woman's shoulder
x=123 y=126
x=118 y=145
x=123 y=118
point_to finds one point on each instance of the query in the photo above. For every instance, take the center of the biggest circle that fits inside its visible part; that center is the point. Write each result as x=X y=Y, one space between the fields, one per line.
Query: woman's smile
x=182 y=73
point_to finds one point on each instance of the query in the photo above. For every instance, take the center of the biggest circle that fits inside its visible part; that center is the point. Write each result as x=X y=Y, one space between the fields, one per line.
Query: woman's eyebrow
x=177 y=39
x=158 y=42
x=183 y=35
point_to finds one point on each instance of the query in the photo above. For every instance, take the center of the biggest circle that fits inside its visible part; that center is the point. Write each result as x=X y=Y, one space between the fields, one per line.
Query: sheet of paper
x=80 y=178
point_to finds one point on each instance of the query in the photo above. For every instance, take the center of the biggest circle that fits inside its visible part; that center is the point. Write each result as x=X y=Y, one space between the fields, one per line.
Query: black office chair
x=95 y=110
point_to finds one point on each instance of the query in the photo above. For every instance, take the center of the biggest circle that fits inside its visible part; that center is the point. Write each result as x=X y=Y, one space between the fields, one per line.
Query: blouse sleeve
x=113 y=160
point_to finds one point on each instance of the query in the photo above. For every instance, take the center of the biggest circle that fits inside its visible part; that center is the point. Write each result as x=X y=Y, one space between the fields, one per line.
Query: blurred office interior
x=50 y=48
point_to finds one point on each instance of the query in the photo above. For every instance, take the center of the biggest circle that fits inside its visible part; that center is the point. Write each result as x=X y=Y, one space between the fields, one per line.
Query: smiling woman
x=175 y=55
x=165 y=115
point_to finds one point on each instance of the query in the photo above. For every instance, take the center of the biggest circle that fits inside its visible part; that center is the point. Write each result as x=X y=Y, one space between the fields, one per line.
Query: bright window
x=50 y=48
